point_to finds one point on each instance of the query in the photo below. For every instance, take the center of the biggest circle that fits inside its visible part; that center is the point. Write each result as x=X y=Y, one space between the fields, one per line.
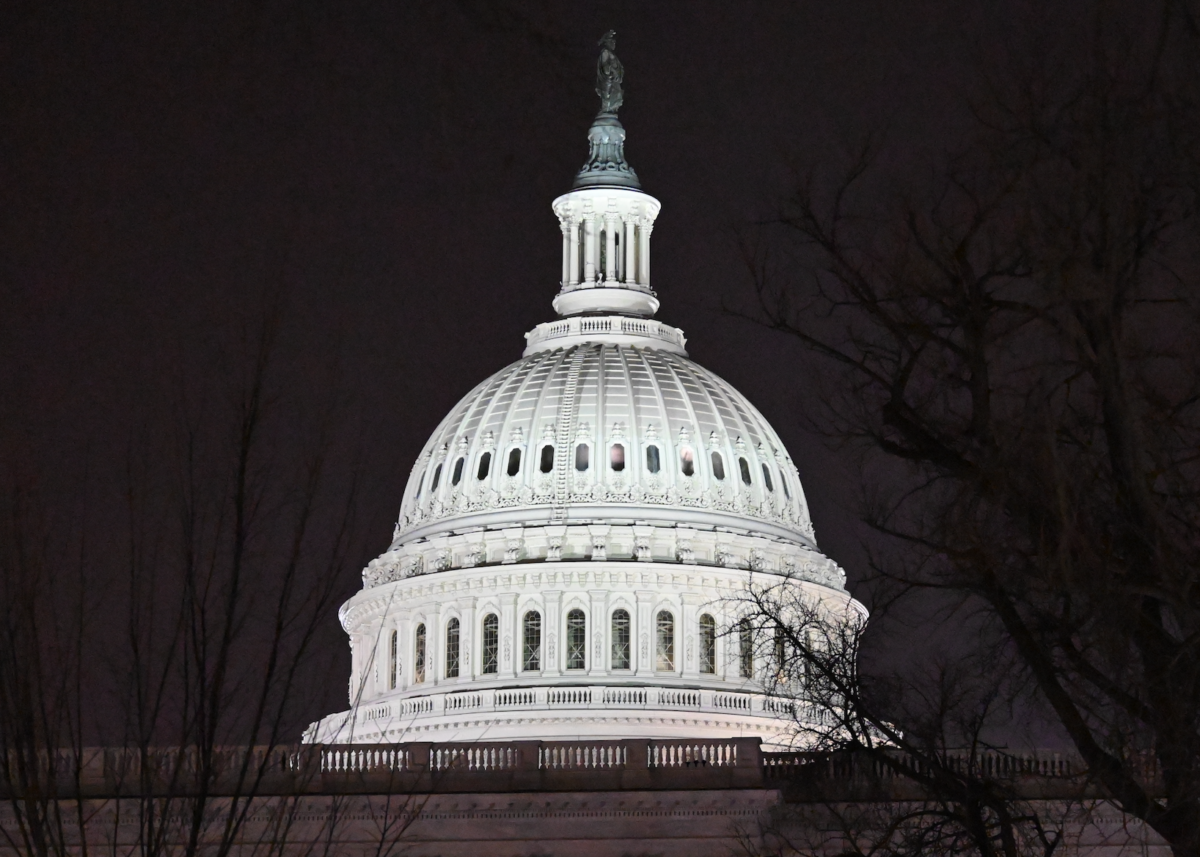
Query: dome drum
x=604 y=649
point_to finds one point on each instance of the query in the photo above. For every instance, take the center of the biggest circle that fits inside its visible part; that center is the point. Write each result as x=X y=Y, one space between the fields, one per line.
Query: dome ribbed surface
x=601 y=431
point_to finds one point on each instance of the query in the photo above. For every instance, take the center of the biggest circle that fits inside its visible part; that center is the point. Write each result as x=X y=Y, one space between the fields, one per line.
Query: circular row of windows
x=531 y=650
x=616 y=463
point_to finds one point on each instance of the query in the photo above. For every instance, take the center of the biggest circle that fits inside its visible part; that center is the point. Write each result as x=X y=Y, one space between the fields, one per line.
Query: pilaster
x=598 y=626
x=510 y=636
x=643 y=628
x=553 y=642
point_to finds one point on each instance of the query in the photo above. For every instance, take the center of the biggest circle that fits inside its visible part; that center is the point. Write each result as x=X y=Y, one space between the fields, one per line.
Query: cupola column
x=610 y=247
x=630 y=276
x=572 y=278
x=589 y=250
x=644 y=254
x=565 y=228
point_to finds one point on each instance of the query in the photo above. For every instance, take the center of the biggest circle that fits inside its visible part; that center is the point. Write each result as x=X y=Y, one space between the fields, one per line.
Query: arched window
x=532 y=643
x=393 y=659
x=744 y=467
x=708 y=644
x=620 y=640
x=485 y=464
x=665 y=649
x=718 y=464
x=421 y=483
x=746 y=649
x=779 y=651
x=452 y=635
x=581 y=457
x=783 y=480
x=514 y=462
x=419 y=655
x=652 y=459
x=437 y=476
x=576 y=640
x=547 y=463
x=767 y=477
x=617 y=457
x=687 y=462
x=456 y=477
x=491 y=644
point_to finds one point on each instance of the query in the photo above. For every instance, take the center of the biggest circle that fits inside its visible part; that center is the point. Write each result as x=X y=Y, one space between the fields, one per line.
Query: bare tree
x=1011 y=352
x=188 y=644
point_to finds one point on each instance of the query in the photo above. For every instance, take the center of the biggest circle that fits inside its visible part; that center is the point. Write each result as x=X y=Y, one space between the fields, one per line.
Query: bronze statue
x=609 y=73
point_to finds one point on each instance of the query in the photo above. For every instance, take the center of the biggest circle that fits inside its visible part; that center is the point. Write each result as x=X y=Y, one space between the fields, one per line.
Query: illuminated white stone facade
x=572 y=535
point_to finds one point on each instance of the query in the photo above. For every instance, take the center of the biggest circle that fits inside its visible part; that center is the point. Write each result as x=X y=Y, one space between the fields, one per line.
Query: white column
x=610 y=247
x=434 y=639
x=355 y=667
x=644 y=254
x=688 y=635
x=573 y=251
x=566 y=253
x=510 y=636
x=553 y=642
x=589 y=251
x=643 y=635
x=403 y=655
x=630 y=274
x=468 y=659
x=597 y=632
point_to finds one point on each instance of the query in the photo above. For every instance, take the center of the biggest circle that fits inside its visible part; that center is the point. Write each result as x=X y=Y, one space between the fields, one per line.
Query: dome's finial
x=606 y=165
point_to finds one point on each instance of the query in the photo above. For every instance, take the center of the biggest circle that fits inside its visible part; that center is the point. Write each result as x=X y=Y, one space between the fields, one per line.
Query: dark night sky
x=390 y=167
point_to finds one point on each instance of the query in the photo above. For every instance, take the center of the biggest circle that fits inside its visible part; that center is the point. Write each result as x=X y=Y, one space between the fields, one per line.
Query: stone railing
x=491 y=767
x=615 y=326
x=394 y=716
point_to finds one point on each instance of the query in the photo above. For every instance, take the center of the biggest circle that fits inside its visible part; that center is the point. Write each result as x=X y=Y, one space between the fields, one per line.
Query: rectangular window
x=532 y=643
x=576 y=640
x=393 y=660
x=665 y=650
x=452 y=638
x=491 y=644
x=708 y=644
x=746 y=649
x=419 y=656
x=620 y=640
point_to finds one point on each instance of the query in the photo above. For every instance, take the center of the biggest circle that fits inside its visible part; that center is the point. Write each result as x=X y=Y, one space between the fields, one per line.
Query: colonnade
x=383 y=665
x=605 y=248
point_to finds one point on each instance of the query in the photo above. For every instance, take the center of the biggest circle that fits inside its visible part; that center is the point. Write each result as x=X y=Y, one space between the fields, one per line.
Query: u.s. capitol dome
x=574 y=535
